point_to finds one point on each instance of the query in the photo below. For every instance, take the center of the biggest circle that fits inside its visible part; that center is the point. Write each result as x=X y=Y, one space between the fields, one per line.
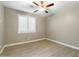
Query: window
x=31 y=24
x=27 y=24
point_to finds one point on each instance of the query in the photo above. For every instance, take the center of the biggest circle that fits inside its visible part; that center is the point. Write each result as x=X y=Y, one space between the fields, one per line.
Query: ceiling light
x=42 y=9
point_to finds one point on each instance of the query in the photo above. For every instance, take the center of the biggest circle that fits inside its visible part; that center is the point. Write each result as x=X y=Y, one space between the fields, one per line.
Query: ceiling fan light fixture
x=42 y=9
x=42 y=6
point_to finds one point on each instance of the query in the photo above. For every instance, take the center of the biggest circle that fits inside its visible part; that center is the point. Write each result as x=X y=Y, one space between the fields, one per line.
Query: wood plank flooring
x=43 y=48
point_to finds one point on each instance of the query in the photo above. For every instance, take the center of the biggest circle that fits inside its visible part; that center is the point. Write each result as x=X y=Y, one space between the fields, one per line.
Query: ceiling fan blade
x=46 y=11
x=35 y=3
x=50 y=5
x=35 y=11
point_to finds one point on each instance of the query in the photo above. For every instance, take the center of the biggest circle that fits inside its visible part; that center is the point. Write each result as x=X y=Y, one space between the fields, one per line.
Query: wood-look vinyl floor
x=43 y=48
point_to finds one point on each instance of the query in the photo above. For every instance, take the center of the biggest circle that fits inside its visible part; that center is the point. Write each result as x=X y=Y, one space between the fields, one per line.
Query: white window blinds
x=27 y=24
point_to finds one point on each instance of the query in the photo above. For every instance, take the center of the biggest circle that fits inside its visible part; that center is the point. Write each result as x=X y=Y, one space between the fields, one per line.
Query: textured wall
x=11 y=27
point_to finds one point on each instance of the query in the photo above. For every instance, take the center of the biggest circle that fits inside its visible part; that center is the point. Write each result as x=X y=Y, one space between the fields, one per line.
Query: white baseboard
x=2 y=50
x=61 y=43
x=19 y=43
x=13 y=44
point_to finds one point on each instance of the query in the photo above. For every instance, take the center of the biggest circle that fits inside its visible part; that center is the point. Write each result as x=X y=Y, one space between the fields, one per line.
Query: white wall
x=64 y=26
x=1 y=24
x=11 y=27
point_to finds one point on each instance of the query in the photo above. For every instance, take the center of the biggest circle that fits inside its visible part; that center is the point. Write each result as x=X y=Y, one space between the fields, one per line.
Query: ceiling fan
x=42 y=6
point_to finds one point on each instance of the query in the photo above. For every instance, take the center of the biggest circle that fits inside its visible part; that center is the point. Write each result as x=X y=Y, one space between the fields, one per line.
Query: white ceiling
x=29 y=6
